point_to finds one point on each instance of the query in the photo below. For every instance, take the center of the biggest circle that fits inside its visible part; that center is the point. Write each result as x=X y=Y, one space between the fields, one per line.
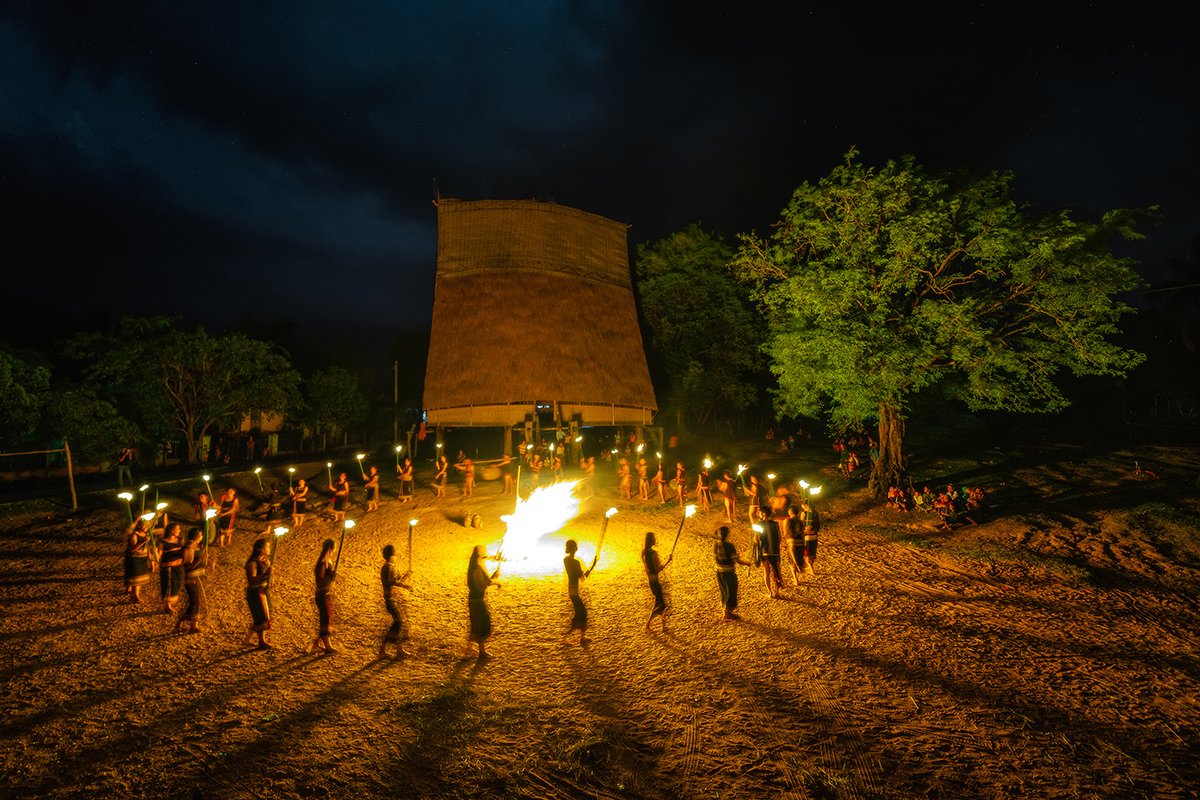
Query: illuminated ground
x=1049 y=653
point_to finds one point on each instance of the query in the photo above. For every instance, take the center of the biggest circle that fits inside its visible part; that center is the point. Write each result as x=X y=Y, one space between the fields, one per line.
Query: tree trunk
x=888 y=469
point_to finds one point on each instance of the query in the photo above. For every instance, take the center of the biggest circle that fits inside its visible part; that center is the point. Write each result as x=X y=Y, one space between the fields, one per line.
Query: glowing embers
x=527 y=548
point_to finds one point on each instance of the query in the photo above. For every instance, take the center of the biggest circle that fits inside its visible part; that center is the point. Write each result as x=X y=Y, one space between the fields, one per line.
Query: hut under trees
x=534 y=321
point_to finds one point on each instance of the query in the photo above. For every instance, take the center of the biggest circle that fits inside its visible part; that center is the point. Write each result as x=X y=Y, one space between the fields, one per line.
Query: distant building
x=534 y=320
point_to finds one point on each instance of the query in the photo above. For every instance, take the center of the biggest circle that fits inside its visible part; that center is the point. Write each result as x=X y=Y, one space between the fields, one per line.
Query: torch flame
x=161 y=506
x=209 y=513
x=756 y=528
x=413 y=522
x=148 y=516
x=348 y=524
x=126 y=496
x=280 y=531
x=610 y=512
x=688 y=511
x=708 y=463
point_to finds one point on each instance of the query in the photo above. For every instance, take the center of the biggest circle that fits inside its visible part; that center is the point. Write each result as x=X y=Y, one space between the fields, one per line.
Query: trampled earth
x=1051 y=650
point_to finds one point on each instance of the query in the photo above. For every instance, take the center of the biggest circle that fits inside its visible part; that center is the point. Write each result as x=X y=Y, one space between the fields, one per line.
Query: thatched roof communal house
x=533 y=310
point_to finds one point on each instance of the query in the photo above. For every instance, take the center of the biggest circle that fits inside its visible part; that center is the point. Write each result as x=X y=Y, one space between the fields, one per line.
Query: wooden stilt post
x=70 y=475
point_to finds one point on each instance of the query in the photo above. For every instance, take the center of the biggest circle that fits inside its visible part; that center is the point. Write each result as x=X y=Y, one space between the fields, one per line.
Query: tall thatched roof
x=533 y=304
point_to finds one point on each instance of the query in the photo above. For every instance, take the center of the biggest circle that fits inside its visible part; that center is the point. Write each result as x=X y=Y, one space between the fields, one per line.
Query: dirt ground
x=1049 y=651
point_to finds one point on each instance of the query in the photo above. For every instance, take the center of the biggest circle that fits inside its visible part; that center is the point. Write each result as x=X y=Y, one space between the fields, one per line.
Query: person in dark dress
x=767 y=530
x=138 y=555
x=323 y=574
x=654 y=566
x=227 y=516
x=726 y=558
x=193 y=583
x=258 y=582
x=170 y=567
x=478 y=581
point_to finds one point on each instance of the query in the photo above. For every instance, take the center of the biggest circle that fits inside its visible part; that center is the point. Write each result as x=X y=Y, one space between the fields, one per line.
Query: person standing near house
x=124 y=466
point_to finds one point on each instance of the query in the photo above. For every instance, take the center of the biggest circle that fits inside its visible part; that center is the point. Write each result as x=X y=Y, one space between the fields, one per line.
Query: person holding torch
x=654 y=567
x=258 y=582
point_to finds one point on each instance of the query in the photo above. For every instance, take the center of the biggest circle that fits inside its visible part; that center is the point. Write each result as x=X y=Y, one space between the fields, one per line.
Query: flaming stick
x=143 y=489
x=771 y=481
x=741 y=469
x=360 y=458
x=329 y=472
x=209 y=513
x=412 y=523
x=400 y=447
x=603 y=529
x=211 y=496
x=687 y=512
x=258 y=474
x=279 y=533
x=347 y=525
x=128 y=498
x=291 y=472
x=149 y=517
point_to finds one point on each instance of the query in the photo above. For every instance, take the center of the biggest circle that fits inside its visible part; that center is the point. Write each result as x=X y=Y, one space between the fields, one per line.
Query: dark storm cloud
x=282 y=156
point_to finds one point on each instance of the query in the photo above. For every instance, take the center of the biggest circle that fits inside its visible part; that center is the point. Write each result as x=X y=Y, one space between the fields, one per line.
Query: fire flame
x=526 y=549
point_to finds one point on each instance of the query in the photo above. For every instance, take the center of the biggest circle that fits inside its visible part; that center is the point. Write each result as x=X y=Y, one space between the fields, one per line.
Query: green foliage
x=24 y=389
x=187 y=381
x=703 y=326
x=94 y=427
x=333 y=402
x=878 y=284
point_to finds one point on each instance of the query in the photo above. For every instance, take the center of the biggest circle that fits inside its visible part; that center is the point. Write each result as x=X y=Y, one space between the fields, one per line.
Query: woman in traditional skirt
x=137 y=559
x=390 y=577
x=341 y=497
x=193 y=583
x=299 y=494
x=372 y=486
x=324 y=574
x=654 y=567
x=407 y=482
x=478 y=581
x=442 y=467
x=258 y=581
x=170 y=567
x=227 y=516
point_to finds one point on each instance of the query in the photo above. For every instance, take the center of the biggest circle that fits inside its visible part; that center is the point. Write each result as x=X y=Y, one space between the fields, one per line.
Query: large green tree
x=24 y=390
x=333 y=403
x=188 y=381
x=702 y=322
x=880 y=283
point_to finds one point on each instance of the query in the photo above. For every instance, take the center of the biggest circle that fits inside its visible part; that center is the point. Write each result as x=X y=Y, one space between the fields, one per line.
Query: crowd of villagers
x=181 y=555
x=952 y=505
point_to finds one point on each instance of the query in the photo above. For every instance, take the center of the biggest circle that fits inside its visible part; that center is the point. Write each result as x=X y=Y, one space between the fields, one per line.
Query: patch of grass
x=1174 y=531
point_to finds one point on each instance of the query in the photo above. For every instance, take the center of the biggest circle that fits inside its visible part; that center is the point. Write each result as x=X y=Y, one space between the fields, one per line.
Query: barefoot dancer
x=372 y=486
x=227 y=516
x=391 y=578
x=726 y=557
x=137 y=559
x=170 y=567
x=478 y=581
x=654 y=567
x=576 y=573
x=193 y=583
x=324 y=574
x=258 y=581
x=299 y=502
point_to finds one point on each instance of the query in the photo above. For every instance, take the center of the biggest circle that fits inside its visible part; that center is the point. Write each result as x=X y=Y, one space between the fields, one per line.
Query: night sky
x=277 y=161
